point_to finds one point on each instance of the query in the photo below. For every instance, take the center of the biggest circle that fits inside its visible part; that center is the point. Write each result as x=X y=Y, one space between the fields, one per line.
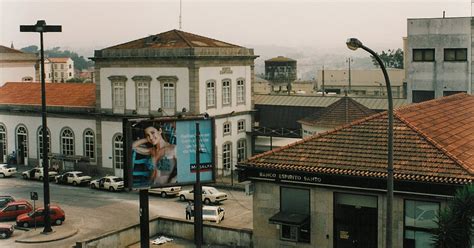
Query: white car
x=37 y=173
x=209 y=194
x=111 y=183
x=213 y=213
x=6 y=170
x=166 y=191
x=73 y=177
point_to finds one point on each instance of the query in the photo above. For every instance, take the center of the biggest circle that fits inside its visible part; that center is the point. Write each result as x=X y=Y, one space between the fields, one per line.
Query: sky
x=320 y=25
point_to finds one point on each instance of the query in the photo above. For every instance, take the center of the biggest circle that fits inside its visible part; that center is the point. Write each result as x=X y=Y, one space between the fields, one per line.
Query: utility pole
x=41 y=27
x=198 y=195
x=349 y=60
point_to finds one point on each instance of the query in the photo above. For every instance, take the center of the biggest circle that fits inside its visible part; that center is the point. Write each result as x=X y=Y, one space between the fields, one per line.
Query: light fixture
x=353 y=43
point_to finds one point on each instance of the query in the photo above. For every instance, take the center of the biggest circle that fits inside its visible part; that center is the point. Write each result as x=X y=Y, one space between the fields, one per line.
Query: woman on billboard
x=161 y=156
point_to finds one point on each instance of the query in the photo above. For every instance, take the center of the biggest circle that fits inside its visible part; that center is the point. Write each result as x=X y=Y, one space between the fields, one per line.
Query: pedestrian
x=189 y=209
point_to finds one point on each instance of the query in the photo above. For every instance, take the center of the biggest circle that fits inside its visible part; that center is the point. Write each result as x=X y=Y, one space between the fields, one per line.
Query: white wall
x=208 y=73
x=55 y=126
x=15 y=72
x=182 y=86
x=109 y=129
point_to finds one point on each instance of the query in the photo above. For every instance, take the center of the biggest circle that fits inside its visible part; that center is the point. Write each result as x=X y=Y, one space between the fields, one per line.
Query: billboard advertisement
x=162 y=152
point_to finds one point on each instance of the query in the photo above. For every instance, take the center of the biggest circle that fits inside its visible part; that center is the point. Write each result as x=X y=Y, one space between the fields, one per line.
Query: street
x=93 y=212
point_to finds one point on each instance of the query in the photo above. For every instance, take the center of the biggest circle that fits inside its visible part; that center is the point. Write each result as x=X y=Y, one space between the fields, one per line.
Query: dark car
x=15 y=208
x=57 y=216
x=6 y=231
x=5 y=199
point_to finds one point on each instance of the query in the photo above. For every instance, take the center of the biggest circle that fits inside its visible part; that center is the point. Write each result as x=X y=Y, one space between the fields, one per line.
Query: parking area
x=94 y=211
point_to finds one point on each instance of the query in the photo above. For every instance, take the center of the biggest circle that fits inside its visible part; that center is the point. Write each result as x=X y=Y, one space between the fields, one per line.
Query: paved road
x=94 y=212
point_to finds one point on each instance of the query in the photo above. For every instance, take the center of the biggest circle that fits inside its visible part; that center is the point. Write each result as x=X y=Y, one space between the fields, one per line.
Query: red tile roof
x=173 y=39
x=344 y=111
x=57 y=94
x=58 y=60
x=360 y=148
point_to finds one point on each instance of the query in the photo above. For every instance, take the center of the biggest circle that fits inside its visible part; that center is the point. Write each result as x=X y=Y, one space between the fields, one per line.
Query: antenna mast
x=180 y=14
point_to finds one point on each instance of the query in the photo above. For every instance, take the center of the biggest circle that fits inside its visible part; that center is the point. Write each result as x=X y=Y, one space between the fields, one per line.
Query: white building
x=162 y=75
x=16 y=66
x=439 y=57
x=56 y=70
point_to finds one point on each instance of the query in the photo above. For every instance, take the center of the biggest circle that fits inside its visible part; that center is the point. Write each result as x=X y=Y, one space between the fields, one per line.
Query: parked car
x=73 y=177
x=7 y=170
x=37 y=173
x=209 y=194
x=6 y=231
x=56 y=214
x=15 y=208
x=5 y=199
x=213 y=213
x=111 y=183
x=166 y=191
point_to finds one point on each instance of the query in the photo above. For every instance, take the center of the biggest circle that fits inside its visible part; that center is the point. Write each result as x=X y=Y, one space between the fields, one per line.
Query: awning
x=287 y=218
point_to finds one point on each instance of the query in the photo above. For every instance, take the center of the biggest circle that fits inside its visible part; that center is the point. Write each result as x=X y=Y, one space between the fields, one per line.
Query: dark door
x=355 y=226
x=22 y=150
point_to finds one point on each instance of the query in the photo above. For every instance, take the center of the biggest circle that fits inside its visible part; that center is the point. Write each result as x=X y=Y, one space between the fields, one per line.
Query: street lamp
x=41 y=27
x=354 y=44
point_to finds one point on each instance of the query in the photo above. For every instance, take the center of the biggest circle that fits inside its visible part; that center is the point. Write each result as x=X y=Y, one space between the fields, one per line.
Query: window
x=420 y=55
x=168 y=96
x=40 y=141
x=226 y=155
x=240 y=91
x=211 y=94
x=226 y=96
x=70 y=66
x=419 y=219
x=294 y=215
x=62 y=66
x=22 y=143
x=226 y=128
x=455 y=54
x=143 y=96
x=55 y=66
x=89 y=144
x=241 y=126
x=3 y=144
x=70 y=74
x=118 y=151
x=422 y=95
x=241 y=150
x=118 y=93
x=67 y=142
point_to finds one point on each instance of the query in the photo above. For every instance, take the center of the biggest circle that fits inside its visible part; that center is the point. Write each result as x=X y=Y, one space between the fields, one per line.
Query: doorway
x=355 y=221
x=22 y=145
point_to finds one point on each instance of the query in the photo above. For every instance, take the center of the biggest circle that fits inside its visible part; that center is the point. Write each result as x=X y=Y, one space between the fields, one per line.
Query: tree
x=30 y=49
x=391 y=58
x=80 y=62
x=455 y=222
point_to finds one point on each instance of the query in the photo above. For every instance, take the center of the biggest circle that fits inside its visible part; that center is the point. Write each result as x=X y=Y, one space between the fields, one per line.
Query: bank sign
x=283 y=177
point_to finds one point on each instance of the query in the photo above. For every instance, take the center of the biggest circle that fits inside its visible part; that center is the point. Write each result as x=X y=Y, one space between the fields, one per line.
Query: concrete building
x=16 y=66
x=363 y=82
x=57 y=70
x=329 y=190
x=439 y=57
x=168 y=74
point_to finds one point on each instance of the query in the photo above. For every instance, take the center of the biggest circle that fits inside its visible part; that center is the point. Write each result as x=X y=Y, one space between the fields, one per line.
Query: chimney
x=444 y=14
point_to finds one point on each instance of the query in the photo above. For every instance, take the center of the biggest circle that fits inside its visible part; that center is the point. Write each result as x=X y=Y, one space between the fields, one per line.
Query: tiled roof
x=57 y=94
x=360 y=148
x=173 y=39
x=4 y=49
x=58 y=60
x=322 y=101
x=344 y=111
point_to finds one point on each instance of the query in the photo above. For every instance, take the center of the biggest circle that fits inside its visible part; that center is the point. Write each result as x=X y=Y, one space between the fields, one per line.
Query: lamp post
x=41 y=27
x=354 y=44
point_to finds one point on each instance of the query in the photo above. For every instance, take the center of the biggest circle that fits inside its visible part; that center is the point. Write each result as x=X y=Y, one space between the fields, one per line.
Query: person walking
x=189 y=209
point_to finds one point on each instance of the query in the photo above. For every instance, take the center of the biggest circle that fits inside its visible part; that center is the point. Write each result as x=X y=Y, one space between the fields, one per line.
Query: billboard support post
x=144 y=220
x=198 y=195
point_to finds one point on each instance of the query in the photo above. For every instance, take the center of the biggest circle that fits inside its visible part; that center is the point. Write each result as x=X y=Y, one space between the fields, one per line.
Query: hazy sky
x=321 y=25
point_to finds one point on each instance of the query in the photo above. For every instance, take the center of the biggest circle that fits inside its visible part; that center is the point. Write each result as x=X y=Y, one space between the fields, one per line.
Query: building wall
x=266 y=200
x=109 y=130
x=16 y=72
x=439 y=75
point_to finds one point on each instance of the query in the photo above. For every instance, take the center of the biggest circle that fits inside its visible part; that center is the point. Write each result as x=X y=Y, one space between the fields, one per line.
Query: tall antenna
x=180 y=9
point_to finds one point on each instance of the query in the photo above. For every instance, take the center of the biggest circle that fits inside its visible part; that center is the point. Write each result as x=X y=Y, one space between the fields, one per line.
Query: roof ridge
x=178 y=32
x=434 y=143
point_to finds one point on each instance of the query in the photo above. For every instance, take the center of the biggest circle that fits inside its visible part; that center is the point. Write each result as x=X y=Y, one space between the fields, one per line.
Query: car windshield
x=117 y=179
x=79 y=174
x=213 y=191
x=208 y=212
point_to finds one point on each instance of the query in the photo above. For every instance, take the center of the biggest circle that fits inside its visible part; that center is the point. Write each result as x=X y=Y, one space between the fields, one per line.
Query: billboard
x=162 y=152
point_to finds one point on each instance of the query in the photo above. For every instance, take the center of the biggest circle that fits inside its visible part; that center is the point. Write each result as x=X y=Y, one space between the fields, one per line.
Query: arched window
x=3 y=143
x=22 y=144
x=40 y=141
x=89 y=144
x=227 y=155
x=67 y=142
x=118 y=151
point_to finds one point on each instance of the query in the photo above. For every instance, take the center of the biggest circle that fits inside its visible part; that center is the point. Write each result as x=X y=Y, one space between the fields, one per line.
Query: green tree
x=455 y=221
x=30 y=49
x=391 y=58
x=80 y=62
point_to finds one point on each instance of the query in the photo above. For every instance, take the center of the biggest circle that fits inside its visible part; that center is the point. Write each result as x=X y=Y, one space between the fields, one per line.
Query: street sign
x=34 y=196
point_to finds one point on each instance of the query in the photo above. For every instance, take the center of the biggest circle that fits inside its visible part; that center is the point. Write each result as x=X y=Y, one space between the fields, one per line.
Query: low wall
x=213 y=234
